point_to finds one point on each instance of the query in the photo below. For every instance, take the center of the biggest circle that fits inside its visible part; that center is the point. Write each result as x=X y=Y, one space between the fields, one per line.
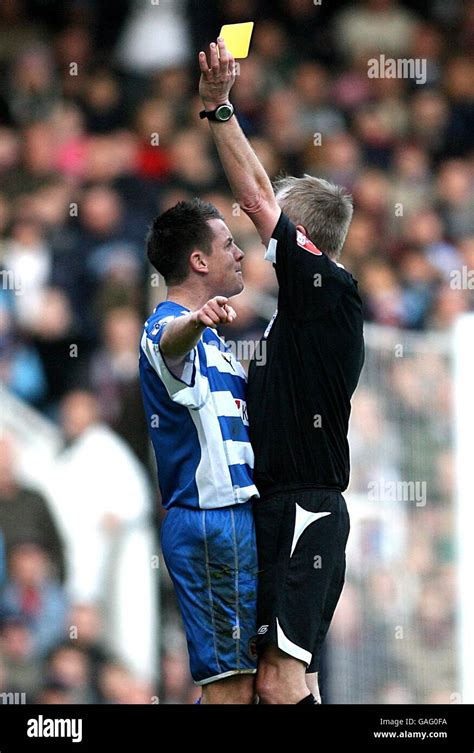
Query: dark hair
x=175 y=233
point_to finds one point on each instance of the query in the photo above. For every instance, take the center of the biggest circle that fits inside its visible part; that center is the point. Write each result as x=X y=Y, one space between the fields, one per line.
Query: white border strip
x=464 y=455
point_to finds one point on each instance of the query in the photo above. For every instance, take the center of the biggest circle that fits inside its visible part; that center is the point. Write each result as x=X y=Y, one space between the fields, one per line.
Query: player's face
x=225 y=270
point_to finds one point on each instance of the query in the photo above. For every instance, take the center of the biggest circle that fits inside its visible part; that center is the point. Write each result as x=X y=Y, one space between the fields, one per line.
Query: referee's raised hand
x=215 y=311
x=217 y=74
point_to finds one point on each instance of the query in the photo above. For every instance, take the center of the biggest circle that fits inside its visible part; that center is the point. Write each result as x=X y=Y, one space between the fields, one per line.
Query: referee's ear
x=303 y=230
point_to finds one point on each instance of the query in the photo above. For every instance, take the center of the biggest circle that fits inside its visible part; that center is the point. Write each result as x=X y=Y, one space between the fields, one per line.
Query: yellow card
x=237 y=38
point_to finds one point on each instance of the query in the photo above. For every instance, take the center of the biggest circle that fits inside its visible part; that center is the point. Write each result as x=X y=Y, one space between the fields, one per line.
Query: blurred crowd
x=99 y=132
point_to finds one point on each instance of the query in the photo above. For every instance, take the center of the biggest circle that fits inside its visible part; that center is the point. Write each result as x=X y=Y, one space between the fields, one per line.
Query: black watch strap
x=226 y=108
x=209 y=114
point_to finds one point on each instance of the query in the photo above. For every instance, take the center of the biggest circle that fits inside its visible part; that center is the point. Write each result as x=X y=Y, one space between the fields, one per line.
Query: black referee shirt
x=307 y=369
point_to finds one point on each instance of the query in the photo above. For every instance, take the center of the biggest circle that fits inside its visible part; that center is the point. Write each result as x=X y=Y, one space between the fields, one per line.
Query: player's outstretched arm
x=247 y=178
x=183 y=334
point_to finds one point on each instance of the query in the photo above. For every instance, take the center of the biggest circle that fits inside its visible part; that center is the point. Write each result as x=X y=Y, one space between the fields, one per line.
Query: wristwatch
x=221 y=114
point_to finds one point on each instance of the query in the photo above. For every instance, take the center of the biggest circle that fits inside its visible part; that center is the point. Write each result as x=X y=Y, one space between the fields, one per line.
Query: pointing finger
x=231 y=314
x=220 y=299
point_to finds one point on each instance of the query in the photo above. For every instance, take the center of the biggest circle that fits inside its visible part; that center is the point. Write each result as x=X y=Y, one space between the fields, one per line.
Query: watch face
x=224 y=112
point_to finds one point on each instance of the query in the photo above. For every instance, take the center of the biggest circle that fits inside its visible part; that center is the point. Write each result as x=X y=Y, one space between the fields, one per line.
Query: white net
x=393 y=635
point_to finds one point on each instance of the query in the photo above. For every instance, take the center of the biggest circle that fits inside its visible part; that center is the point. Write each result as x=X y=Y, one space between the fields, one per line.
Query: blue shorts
x=211 y=556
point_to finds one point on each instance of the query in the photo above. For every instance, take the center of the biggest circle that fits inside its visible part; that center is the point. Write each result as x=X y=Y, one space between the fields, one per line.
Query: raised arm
x=247 y=178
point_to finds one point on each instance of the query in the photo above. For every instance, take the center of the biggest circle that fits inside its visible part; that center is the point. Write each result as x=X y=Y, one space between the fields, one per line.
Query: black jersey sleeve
x=310 y=283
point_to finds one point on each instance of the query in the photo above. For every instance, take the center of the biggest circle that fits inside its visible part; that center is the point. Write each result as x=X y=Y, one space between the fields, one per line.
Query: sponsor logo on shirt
x=243 y=412
x=161 y=324
x=304 y=242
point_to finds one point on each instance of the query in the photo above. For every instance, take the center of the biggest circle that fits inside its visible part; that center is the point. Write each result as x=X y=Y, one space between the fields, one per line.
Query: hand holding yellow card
x=237 y=38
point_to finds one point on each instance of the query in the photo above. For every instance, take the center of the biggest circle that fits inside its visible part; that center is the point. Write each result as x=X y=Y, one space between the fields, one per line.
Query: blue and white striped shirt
x=197 y=423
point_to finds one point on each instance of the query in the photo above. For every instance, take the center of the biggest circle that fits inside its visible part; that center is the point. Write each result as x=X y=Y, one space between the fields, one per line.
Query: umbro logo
x=262 y=629
x=227 y=357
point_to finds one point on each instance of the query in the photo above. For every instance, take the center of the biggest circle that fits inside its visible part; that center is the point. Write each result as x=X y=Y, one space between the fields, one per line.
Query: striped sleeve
x=191 y=388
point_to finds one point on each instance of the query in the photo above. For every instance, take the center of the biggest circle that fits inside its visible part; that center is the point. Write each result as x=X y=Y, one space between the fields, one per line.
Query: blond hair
x=324 y=210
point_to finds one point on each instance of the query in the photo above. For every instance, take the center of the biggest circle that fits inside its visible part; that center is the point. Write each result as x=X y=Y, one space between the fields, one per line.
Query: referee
x=298 y=400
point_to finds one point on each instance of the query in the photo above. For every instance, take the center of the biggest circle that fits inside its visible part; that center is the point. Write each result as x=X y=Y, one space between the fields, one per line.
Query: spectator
x=35 y=594
x=24 y=513
x=87 y=631
x=3 y=559
x=21 y=665
x=137 y=48
x=32 y=91
x=116 y=684
x=374 y=26
x=99 y=490
x=456 y=198
x=68 y=668
x=114 y=378
x=53 y=693
x=20 y=366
